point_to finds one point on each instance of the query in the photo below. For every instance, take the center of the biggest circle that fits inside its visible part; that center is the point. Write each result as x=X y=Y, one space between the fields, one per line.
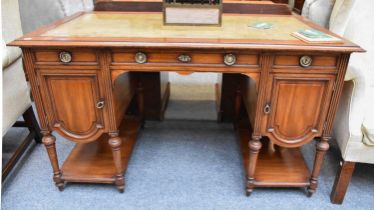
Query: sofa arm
x=318 y=11
x=37 y=13
x=351 y=111
x=16 y=94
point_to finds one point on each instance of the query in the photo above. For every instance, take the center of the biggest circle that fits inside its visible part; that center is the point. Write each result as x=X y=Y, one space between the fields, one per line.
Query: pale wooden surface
x=150 y=25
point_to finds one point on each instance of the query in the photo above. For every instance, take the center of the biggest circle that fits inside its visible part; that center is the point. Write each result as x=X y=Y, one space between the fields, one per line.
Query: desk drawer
x=184 y=58
x=305 y=62
x=66 y=57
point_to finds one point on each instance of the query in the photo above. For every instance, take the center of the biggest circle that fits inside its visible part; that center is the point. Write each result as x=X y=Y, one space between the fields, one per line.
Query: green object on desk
x=313 y=34
x=261 y=25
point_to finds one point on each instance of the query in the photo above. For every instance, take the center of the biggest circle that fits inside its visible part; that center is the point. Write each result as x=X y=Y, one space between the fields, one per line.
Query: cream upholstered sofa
x=318 y=11
x=16 y=94
x=37 y=13
x=354 y=124
x=26 y=15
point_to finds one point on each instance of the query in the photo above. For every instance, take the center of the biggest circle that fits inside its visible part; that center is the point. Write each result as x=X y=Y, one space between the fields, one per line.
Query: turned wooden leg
x=49 y=143
x=140 y=103
x=321 y=149
x=254 y=149
x=342 y=179
x=115 y=143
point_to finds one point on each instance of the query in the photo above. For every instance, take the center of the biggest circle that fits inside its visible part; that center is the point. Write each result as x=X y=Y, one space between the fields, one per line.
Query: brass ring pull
x=65 y=57
x=140 y=57
x=100 y=104
x=267 y=109
x=184 y=58
x=229 y=59
x=306 y=61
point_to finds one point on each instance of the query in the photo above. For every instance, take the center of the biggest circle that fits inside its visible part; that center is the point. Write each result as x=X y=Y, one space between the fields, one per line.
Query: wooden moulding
x=282 y=167
x=93 y=162
x=237 y=7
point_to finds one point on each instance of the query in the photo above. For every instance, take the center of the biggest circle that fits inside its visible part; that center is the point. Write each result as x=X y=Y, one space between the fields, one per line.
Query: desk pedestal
x=93 y=162
x=276 y=166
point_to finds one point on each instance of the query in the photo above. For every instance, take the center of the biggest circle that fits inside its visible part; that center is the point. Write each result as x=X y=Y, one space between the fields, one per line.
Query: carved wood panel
x=297 y=107
x=73 y=104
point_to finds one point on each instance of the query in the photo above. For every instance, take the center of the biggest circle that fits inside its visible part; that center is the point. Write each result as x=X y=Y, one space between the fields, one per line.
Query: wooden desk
x=156 y=84
x=80 y=69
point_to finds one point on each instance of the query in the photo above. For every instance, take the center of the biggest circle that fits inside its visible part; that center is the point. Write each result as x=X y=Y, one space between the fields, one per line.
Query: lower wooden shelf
x=276 y=166
x=93 y=162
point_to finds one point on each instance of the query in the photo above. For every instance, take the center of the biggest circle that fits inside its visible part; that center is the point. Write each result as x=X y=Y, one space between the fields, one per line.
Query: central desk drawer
x=184 y=58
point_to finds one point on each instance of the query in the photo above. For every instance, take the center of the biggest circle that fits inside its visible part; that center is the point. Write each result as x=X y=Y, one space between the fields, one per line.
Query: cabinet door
x=297 y=107
x=74 y=104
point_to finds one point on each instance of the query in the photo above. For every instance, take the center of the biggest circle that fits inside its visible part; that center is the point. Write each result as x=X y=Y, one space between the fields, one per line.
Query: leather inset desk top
x=151 y=26
x=146 y=29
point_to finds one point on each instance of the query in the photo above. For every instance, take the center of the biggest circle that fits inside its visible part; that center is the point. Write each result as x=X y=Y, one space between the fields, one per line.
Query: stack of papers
x=315 y=36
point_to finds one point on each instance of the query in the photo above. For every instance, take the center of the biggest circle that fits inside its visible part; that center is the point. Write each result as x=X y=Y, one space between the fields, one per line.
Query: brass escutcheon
x=267 y=109
x=100 y=104
x=184 y=58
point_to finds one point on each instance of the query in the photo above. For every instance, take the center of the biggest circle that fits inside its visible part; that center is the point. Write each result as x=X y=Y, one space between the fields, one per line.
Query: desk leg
x=321 y=148
x=254 y=148
x=238 y=103
x=115 y=143
x=49 y=142
x=140 y=103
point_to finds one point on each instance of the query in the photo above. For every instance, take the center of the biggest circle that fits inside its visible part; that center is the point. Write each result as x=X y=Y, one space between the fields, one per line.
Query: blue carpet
x=178 y=165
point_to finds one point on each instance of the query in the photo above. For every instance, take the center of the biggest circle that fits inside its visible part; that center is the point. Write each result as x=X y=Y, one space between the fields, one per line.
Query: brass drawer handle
x=100 y=104
x=140 y=57
x=229 y=59
x=184 y=58
x=306 y=61
x=267 y=109
x=65 y=57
